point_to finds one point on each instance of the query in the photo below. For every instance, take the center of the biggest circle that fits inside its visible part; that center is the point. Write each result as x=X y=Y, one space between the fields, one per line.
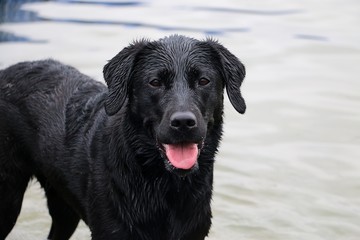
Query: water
x=289 y=168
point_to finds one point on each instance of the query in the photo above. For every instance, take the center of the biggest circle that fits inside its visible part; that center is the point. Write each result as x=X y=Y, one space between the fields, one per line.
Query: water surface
x=289 y=168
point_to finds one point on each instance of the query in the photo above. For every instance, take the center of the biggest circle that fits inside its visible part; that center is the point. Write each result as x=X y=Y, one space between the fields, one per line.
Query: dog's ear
x=234 y=73
x=117 y=74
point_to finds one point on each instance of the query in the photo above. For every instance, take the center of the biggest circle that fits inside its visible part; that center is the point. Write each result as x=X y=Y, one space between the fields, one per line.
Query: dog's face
x=175 y=88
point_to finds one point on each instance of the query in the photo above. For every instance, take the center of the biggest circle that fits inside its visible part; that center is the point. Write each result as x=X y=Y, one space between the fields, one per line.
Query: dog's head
x=175 y=88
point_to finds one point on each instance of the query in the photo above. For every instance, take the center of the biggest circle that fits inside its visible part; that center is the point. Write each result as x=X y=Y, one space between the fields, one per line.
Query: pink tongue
x=182 y=156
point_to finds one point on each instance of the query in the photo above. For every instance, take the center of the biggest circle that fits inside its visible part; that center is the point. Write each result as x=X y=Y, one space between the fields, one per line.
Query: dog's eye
x=203 y=81
x=155 y=83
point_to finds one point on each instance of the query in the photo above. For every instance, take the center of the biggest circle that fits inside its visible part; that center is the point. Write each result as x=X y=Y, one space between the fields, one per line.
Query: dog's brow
x=193 y=72
x=164 y=73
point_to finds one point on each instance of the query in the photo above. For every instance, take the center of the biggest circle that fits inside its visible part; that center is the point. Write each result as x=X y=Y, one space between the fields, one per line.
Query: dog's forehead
x=178 y=43
x=184 y=51
x=177 y=56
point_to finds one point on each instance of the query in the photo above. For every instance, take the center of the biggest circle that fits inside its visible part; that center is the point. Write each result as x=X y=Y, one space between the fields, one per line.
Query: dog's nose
x=183 y=120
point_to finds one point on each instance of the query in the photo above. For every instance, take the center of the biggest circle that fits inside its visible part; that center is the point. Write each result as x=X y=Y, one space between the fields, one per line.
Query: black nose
x=183 y=120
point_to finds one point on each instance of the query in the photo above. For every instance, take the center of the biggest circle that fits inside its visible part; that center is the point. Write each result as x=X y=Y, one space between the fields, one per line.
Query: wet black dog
x=134 y=160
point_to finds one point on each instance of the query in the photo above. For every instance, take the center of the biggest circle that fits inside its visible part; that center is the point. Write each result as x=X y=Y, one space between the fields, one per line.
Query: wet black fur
x=97 y=151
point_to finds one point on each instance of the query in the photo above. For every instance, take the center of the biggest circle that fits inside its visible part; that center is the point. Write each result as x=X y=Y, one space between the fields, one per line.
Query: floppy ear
x=234 y=73
x=117 y=74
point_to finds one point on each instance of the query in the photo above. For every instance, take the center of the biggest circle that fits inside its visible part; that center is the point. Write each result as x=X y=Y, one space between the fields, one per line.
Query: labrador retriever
x=135 y=159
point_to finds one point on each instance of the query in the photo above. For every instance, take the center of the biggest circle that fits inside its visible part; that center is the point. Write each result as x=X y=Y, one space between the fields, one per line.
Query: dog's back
x=39 y=86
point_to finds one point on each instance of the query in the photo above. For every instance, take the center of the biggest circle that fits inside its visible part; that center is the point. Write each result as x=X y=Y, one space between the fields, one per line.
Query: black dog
x=134 y=160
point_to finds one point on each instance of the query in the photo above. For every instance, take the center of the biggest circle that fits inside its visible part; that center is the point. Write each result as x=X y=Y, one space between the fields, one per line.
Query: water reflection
x=248 y=11
x=10 y=37
x=105 y=3
x=10 y=11
x=311 y=37
x=206 y=31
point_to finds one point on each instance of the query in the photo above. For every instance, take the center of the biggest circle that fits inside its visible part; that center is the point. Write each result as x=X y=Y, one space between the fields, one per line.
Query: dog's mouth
x=181 y=156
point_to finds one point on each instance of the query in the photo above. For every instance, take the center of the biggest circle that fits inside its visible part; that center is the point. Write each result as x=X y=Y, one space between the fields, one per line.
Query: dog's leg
x=11 y=196
x=14 y=177
x=64 y=219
